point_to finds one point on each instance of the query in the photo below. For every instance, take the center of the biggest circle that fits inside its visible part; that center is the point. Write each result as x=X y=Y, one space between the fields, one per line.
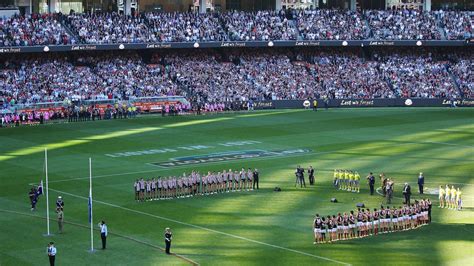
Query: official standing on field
x=103 y=234
x=168 y=238
x=371 y=181
x=300 y=176
x=60 y=220
x=255 y=178
x=311 y=175
x=421 y=182
x=51 y=253
x=407 y=193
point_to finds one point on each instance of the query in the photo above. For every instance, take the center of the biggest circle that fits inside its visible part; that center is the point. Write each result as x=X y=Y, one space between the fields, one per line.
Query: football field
x=240 y=228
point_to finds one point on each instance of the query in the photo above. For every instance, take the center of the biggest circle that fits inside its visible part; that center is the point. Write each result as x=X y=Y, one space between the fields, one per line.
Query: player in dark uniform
x=59 y=203
x=376 y=221
x=330 y=225
x=33 y=195
x=340 y=228
x=345 y=226
x=360 y=226
x=317 y=224
x=352 y=225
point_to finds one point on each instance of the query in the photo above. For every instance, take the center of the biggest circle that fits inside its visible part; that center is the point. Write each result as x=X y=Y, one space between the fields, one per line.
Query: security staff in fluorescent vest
x=103 y=234
x=51 y=253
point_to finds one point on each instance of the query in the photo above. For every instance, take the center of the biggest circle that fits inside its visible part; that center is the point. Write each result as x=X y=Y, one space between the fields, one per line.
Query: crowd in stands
x=185 y=27
x=329 y=24
x=464 y=72
x=104 y=28
x=258 y=26
x=320 y=24
x=33 y=30
x=237 y=76
x=90 y=78
x=458 y=25
x=420 y=76
x=403 y=25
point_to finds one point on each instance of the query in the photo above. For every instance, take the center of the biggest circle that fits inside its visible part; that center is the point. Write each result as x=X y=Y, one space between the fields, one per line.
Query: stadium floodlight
x=46 y=49
x=419 y=43
x=344 y=43
x=121 y=46
x=270 y=44
x=196 y=45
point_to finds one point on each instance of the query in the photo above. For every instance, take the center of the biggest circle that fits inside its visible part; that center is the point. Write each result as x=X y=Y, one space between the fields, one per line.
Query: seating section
x=236 y=75
x=321 y=24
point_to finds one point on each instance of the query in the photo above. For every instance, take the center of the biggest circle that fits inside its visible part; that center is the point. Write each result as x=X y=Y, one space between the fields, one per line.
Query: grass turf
x=243 y=228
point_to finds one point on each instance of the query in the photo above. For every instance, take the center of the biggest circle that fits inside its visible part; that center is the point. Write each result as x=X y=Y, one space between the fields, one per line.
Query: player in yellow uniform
x=458 y=199
x=447 y=196
x=453 y=198
x=441 y=197
x=341 y=179
x=347 y=180
x=357 y=181
x=351 y=181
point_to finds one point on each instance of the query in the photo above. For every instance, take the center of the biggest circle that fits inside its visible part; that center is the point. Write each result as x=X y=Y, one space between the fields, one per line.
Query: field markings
x=204 y=228
x=111 y=233
x=159 y=169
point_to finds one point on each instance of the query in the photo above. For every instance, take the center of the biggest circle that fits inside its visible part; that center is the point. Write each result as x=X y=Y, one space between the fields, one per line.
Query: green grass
x=244 y=228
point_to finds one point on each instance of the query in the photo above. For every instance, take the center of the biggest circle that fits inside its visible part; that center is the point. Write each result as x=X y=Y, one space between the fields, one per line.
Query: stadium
x=236 y=132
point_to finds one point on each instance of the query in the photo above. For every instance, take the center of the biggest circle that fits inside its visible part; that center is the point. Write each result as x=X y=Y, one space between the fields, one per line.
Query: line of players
x=192 y=184
x=450 y=198
x=347 y=180
x=367 y=223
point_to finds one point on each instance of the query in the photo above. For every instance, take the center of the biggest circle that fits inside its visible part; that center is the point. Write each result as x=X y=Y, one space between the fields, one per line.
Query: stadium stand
x=236 y=75
x=323 y=24
x=33 y=30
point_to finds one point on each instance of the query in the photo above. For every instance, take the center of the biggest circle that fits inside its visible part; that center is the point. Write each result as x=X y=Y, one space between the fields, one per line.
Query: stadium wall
x=351 y=103
x=187 y=45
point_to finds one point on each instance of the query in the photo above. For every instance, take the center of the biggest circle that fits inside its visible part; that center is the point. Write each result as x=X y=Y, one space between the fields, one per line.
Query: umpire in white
x=51 y=253
x=103 y=234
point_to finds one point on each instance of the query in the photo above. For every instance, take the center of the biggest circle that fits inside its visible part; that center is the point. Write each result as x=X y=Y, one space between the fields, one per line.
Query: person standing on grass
x=168 y=238
x=51 y=253
x=33 y=195
x=59 y=203
x=60 y=219
x=421 y=182
x=407 y=193
x=371 y=181
x=136 y=187
x=103 y=234
x=311 y=175
x=255 y=178
x=389 y=190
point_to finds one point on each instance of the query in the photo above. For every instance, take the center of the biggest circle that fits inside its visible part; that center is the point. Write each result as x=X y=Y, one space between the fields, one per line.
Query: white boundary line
x=205 y=228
